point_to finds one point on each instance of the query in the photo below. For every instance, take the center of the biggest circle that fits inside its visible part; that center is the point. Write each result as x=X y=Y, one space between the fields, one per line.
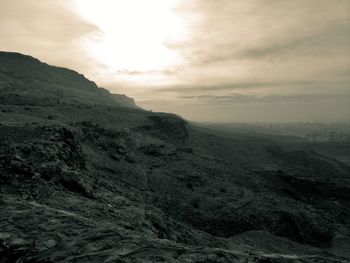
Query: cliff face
x=26 y=80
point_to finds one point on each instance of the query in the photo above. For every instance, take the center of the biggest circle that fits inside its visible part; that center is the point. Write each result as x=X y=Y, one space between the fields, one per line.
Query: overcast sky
x=222 y=60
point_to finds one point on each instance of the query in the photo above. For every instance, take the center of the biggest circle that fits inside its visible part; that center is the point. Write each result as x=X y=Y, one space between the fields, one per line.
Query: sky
x=211 y=61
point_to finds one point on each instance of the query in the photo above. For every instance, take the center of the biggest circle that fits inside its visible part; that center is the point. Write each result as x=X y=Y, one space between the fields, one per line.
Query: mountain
x=87 y=176
x=25 y=80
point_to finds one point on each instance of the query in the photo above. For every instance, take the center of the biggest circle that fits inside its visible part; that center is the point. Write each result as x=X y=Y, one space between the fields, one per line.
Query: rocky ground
x=91 y=180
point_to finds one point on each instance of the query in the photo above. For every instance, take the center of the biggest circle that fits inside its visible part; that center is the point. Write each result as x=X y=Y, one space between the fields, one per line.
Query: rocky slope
x=85 y=179
x=25 y=80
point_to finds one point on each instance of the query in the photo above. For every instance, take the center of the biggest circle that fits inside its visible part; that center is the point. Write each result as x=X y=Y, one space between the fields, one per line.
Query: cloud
x=241 y=59
x=266 y=39
x=219 y=87
x=148 y=72
x=272 y=99
x=48 y=30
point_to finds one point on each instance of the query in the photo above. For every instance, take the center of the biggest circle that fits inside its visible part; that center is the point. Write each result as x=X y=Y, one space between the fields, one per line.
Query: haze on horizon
x=222 y=61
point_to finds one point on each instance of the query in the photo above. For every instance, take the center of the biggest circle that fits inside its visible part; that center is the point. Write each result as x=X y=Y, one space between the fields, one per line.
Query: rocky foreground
x=87 y=176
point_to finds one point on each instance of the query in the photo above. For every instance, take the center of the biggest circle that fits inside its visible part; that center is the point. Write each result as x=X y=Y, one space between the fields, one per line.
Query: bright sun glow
x=136 y=33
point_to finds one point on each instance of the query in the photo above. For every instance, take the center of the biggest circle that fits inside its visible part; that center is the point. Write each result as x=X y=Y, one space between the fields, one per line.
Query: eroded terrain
x=96 y=180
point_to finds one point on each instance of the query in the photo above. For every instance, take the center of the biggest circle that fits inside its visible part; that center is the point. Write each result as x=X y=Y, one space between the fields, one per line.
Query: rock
x=51 y=170
x=159 y=224
x=114 y=156
x=130 y=158
x=76 y=182
x=153 y=150
x=186 y=149
x=43 y=244
x=136 y=176
x=168 y=127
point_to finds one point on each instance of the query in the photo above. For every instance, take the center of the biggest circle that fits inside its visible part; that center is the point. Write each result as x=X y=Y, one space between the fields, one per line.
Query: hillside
x=25 y=80
x=87 y=176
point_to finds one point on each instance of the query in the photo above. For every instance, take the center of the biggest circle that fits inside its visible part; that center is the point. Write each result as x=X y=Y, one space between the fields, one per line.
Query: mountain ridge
x=84 y=179
x=61 y=82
